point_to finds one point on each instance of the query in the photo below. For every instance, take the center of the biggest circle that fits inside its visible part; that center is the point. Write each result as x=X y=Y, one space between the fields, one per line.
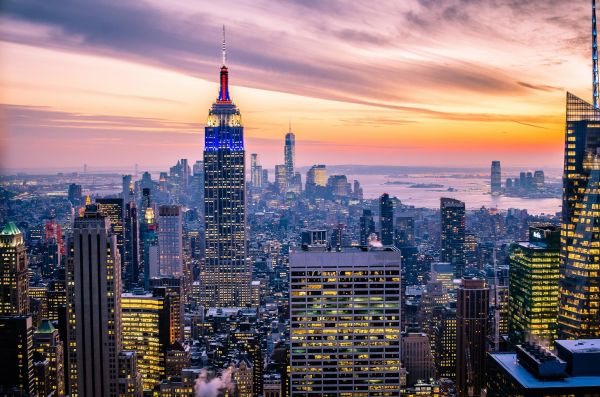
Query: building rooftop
x=580 y=345
x=46 y=327
x=10 y=229
x=526 y=379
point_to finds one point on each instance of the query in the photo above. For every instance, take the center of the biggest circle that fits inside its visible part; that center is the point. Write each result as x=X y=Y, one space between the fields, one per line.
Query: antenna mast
x=595 y=55
x=224 y=48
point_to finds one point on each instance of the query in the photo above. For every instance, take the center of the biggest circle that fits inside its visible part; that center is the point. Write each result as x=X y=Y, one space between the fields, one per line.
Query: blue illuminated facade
x=225 y=279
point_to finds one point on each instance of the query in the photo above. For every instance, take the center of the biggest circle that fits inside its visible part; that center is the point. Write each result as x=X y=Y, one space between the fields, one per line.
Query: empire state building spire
x=224 y=80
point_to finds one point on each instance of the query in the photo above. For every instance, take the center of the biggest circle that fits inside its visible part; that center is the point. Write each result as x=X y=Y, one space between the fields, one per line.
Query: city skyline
x=451 y=91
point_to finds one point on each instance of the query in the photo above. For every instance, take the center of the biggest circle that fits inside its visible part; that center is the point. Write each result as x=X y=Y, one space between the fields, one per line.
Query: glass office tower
x=579 y=292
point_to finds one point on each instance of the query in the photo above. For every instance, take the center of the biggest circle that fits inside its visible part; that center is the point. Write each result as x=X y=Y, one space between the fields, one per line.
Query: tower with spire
x=289 y=153
x=579 y=281
x=226 y=276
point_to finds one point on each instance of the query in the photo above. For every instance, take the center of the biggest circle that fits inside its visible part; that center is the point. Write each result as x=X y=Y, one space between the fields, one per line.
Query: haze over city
x=299 y=198
x=436 y=83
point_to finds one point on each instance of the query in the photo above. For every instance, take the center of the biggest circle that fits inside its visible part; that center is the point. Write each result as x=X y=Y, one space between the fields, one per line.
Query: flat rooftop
x=580 y=345
x=508 y=361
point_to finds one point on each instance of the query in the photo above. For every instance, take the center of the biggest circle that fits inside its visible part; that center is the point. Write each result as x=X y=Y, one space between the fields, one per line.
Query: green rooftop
x=10 y=230
x=46 y=327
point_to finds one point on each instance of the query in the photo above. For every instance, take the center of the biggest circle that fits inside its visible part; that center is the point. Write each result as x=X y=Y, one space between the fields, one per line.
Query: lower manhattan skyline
x=299 y=198
x=429 y=83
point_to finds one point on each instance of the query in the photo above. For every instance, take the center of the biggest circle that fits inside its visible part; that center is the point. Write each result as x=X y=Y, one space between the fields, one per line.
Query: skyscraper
x=533 y=286
x=146 y=330
x=94 y=299
x=453 y=234
x=496 y=181
x=386 y=219
x=255 y=172
x=289 y=155
x=367 y=227
x=281 y=181
x=579 y=299
x=14 y=277
x=74 y=194
x=16 y=366
x=345 y=323
x=127 y=188
x=48 y=346
x=471 y=331
x=170 y=240
x=114 y=210
x=228 y=274
x=131 y=244
x=316 y=177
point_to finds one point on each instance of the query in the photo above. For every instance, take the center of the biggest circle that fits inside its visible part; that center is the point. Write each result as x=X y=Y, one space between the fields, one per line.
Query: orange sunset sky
x=111 y=83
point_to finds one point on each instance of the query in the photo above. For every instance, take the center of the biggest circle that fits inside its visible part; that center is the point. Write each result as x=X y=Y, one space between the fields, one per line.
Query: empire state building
x=226 y=276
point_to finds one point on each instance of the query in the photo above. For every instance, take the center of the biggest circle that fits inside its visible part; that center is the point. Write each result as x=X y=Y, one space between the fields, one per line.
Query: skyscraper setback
x=94 y=306
x=227 y=274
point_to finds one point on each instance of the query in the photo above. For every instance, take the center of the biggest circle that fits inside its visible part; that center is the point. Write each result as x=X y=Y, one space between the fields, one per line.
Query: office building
x=534 y=371
x=130 y=379
x=16 y=367
x=444 y=340
x=367 y=227
x=533 y=286
x=471 y=333
x=255 y=172
x=131 y=259
x=74 y=195
x=114 y=209
x=316 y=178
x=345 y=323
x=281 y=180
x=228 y=273
x=496 y=178
x=289 y=155
x=417 y=357
x=146 y=325
x=94 y=299
x=386 y=219
x=171 y=287
x=170 y=240
x=539 y=179
x=47 y=345
x=14 y=278
x=579 y=300
x=127 y=188
x=453 y=234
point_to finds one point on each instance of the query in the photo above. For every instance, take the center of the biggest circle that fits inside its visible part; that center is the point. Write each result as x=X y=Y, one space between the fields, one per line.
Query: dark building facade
x=471 y=331
x=453 y=234
x=496 y=178
x=16 y=367
x=386 y=219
